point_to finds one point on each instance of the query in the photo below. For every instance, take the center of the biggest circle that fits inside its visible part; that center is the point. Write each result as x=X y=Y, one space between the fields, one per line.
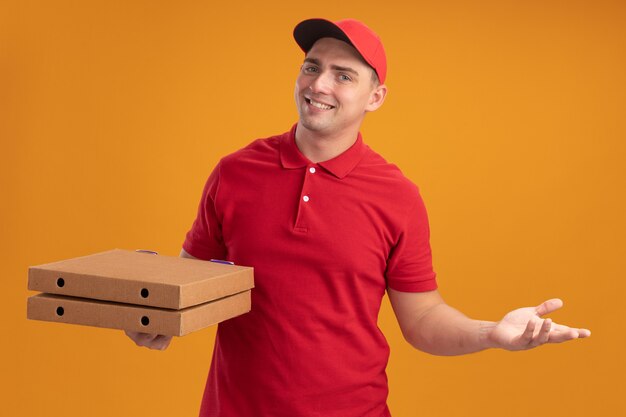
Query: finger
x=562 y=333
x=549 y=306
x=144 y=339
x=527 y=337
x=130 y=334
x=151 y=341
x=544 y=334
x=136 y=337
x=563 y=336
x=155 y=341
x=161 y=342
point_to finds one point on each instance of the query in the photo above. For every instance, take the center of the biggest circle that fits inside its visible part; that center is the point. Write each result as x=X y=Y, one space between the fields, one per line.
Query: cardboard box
x=72 y=310
x=139 y=278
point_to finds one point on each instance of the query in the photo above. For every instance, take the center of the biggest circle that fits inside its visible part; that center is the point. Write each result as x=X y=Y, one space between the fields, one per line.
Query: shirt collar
x=340 y=166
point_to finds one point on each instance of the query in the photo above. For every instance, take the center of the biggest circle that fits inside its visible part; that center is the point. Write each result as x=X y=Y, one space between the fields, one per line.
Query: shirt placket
x=306 y=202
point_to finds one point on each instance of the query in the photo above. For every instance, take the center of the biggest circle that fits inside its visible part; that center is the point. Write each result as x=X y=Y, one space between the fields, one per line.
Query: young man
x=329 y=226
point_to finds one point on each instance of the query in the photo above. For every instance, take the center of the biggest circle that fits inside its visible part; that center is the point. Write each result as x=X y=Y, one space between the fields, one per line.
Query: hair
x=375 y=79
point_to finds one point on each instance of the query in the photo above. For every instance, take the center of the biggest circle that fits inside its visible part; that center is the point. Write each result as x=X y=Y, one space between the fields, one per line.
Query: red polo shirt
x=325 y=240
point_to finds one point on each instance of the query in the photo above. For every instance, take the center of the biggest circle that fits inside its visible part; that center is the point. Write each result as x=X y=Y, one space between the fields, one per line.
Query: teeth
x=320 y=105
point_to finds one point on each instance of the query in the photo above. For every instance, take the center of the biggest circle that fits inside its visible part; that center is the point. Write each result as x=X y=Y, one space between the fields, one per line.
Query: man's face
x=334 y=89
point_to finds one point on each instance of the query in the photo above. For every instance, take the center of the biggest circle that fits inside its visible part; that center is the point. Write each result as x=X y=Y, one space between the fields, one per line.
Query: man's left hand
x=525 y=329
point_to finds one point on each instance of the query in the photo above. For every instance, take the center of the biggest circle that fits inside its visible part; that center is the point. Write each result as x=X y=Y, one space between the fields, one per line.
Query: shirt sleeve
x=410 y=267
x=204 y=239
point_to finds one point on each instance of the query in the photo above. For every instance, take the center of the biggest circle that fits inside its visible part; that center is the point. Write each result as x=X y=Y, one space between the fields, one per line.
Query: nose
x=322 y=83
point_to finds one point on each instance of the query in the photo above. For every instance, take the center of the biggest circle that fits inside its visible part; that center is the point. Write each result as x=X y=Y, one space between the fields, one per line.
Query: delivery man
x=329 y=226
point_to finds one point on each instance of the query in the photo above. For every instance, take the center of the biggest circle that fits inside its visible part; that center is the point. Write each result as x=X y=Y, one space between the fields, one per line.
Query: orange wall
x=508 y=114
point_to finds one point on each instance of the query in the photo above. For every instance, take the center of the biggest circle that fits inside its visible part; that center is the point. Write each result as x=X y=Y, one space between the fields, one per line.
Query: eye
x=345 y=77
x=309 y=69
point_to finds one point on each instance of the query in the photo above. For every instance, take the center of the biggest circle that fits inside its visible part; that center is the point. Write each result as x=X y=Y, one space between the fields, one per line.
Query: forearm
x=443 y=330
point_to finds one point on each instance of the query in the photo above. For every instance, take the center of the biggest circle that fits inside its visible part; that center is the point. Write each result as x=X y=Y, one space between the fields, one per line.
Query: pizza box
x=88 y=312
x=133 y=277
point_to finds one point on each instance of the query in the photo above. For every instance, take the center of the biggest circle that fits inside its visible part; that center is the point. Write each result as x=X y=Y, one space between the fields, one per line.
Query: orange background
x=508 y=114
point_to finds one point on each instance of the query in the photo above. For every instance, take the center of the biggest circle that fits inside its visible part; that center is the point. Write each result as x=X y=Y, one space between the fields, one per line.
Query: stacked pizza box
x=142 y=292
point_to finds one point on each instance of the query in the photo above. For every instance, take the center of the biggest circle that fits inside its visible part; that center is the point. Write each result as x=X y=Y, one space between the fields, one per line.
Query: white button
x=312 y=170
x=305 y=198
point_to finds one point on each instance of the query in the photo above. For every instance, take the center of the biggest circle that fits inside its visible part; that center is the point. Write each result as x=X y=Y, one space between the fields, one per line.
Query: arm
x=430 y=325
x=185 y=254
x=155 y=341
x=205 y=235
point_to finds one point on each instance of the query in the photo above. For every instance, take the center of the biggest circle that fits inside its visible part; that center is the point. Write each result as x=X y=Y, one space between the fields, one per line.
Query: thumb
x=548 y=306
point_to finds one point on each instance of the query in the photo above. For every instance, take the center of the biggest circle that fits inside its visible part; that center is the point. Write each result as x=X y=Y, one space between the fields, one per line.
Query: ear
x=377 y=97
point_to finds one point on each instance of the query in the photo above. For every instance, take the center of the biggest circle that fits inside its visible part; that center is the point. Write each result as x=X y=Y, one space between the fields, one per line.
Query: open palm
x=525 y=329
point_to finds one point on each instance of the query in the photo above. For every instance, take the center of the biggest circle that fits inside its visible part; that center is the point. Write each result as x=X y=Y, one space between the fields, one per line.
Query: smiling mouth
x=318 y=105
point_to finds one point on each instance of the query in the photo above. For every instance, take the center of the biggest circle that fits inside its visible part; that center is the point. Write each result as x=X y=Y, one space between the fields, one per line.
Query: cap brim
x=307 y=32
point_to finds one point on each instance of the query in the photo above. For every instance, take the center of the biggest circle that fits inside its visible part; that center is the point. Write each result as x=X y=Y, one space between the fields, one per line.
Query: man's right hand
x=151 y=341
x=155 y=341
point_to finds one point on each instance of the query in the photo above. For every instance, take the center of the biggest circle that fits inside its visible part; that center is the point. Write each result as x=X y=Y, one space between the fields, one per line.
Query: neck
x=320 y=147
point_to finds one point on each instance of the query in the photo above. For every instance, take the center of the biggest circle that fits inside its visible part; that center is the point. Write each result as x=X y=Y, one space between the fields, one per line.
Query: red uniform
x=325 y=240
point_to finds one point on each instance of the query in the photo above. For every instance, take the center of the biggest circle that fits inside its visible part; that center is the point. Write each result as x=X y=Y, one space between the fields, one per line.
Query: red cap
x=364 y=40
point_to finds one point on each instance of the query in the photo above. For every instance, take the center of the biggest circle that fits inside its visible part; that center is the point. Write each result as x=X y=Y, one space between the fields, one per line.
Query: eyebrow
x=333 y=67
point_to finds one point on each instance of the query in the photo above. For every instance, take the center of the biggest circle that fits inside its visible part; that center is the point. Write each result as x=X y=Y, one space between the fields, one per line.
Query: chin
x=313 y=125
